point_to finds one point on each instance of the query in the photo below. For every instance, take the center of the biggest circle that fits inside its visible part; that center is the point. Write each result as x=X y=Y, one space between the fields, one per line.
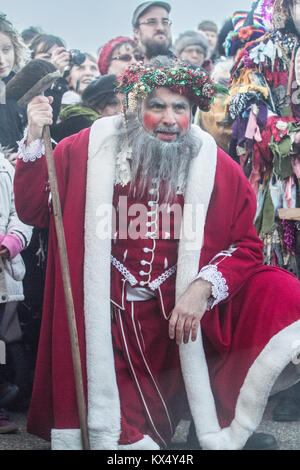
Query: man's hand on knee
x=188 y=312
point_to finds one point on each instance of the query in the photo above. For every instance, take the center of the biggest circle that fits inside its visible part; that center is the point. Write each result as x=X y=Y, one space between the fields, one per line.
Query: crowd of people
x=244 y=78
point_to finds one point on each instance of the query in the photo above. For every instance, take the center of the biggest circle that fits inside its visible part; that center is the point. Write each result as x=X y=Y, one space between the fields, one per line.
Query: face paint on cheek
x=150 y=122
x=183 y=123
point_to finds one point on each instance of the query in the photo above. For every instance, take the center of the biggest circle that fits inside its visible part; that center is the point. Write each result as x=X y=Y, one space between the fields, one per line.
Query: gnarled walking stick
x=36 y=77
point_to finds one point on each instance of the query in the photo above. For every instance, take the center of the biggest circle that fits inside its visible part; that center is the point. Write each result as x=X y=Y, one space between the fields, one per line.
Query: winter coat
x=12 y=121
x=12 y=271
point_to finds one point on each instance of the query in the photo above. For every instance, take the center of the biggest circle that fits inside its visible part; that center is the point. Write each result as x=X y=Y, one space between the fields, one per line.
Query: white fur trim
x=70 y=439
x=193 y=362
x=66 y=439
x=103 y=398
x=145 y=444
x=258 y=385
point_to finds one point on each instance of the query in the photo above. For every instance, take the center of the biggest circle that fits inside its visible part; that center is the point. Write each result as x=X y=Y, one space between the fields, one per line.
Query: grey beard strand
x=153 y=158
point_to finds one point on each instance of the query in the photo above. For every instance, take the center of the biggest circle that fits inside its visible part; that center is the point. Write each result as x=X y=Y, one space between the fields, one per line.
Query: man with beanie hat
x=210 y=29
x=193 y=47
x=152 y=29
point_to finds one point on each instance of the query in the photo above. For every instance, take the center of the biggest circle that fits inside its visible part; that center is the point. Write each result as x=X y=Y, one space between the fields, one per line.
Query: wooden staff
x=62 y=248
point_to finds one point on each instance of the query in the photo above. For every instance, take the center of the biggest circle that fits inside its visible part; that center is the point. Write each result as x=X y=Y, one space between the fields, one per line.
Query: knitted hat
x=105 y=53
x=141 y=9
x=208 y=26
x=247 y=26
x=191 y=38
x=99 y=87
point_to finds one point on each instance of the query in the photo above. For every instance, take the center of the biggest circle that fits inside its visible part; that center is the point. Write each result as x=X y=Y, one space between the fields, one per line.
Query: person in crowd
x=226 y=28
x=53 y=49
x=14 y=238
x=13 y=55
x=146 y=285
x=152 y=29
x=80 y=75
x=29 y=34
x=77 y=69
x=117 y=54
x=192 y=46
x=99 y=99
x=263 y=110
x=211 y=30
x=102 y=96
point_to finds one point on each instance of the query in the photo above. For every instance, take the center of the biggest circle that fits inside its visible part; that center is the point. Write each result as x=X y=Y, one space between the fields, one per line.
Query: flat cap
x=103 y=85
x=143 y=7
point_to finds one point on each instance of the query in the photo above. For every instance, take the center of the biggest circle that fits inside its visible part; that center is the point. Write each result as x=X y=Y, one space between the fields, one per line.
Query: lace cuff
x=211 y=274
x=32 y=152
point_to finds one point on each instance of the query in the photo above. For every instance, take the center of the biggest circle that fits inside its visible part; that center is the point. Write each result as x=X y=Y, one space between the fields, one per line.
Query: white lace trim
x=127 y=274
x=154 y=285
x=33 y=152
x=211 y=274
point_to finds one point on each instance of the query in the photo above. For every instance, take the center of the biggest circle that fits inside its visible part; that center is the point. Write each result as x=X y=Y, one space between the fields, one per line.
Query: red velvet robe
x=237 y=334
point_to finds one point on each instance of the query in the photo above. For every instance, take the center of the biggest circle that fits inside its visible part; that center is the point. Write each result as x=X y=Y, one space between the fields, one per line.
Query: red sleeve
x=31 y=193
x=239 y=249
x=31 y=185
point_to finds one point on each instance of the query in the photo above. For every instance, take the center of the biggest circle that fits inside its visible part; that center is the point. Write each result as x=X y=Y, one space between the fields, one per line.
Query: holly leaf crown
x=138 y=81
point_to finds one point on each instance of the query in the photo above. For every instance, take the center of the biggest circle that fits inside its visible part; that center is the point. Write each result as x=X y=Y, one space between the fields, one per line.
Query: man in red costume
x=174 y=306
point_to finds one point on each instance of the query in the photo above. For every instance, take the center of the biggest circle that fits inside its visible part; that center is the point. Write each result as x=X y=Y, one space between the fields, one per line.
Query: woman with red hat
x=116 y=55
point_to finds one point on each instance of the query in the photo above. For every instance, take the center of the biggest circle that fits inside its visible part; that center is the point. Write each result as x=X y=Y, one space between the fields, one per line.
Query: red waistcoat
x=145 y=240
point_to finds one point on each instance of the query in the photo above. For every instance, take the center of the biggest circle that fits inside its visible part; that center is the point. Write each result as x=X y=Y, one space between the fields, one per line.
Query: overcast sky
x=88 y=24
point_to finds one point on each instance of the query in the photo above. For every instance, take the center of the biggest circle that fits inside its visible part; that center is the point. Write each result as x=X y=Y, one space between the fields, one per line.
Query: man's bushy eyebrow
x=181 y=102
x=153 y=101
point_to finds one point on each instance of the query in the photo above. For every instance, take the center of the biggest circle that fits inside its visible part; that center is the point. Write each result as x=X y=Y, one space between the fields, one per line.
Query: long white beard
x=167 y=162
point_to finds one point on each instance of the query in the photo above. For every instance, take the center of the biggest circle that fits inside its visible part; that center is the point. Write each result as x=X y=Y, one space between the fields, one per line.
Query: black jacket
x=13 y=121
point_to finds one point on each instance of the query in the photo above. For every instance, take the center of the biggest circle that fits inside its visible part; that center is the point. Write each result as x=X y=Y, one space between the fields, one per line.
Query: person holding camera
x=82 y=70
x=53 y=49
x=77 y=69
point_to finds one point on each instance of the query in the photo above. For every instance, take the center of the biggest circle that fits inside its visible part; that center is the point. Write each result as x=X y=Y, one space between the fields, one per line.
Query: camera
x=76 y=57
